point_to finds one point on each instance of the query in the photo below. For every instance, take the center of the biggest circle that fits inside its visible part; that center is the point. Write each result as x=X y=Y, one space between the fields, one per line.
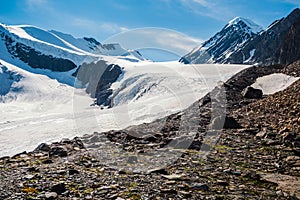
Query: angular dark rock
x=59 y=188
x=60 y=151
x=33 y=169
x=225 y=122
x=222 y=183
x=73 y=171
x=47 y=161
x=252 y=93
x=43 y=147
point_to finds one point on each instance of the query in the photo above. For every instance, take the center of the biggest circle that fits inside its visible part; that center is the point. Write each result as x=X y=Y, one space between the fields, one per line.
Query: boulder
x=252 y=93
x=43 y=147
x=60 y=151
x=59 y=188
x=227 y=122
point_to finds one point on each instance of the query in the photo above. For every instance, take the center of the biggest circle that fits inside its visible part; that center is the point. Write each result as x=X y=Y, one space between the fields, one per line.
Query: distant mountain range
x=61 y=56
x=241 y=41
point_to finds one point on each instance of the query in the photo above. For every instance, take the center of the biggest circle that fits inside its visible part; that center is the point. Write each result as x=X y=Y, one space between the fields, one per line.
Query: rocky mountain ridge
x=220 y=46
x=278 y=44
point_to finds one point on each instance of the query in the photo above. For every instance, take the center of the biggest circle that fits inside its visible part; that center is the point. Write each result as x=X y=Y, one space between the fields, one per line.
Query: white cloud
x=99 y=27
x=175 y=40
x=214 y=9
x=156 y=38
x=203 y=3
x=113 y=28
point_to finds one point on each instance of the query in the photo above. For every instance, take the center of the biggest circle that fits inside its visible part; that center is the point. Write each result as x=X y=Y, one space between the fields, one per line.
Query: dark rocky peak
x=222 y=44
x=278 y=44
x=92 y=40
x=284 y=24
x=243 y=27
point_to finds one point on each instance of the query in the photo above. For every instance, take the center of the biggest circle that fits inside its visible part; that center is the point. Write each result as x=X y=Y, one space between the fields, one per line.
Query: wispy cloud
x=214 y=9
x=99 y=27
x=156 y=38
x=203 y=3
x=174 y=40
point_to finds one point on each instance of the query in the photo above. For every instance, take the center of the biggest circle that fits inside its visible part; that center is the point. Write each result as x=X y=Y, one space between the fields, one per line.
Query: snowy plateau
x=41 y=105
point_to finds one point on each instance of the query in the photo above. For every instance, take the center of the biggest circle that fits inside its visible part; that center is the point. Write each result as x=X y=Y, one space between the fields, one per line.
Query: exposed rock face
x=92 y=40
x=103 y=91
x=290 y=49
x=99 y=76
x=219 y=47
x=36 y=59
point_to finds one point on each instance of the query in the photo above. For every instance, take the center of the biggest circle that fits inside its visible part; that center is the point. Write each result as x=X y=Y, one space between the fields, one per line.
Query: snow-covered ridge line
x=60 y=45
x=21 y=34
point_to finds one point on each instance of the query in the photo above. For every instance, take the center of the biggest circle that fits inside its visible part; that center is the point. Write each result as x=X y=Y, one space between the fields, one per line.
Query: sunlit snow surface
x=44 y=110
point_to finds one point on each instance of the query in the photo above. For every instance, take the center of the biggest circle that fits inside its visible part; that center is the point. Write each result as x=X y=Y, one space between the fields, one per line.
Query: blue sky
x=199 y=19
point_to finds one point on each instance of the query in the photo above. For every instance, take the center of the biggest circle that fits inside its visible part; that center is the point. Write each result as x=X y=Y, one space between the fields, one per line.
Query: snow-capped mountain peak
x=243 y=41
x=219 y=47
x=255 y=28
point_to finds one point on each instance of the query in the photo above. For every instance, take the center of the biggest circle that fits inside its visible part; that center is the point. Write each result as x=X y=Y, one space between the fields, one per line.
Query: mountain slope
x=41 y=49
x=278 y=44
x=20 y=86
x=241 y=42
x=268 y=140
x=224 y=43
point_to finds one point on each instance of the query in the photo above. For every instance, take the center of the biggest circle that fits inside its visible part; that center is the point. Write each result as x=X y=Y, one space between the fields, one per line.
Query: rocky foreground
x=254 y=155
